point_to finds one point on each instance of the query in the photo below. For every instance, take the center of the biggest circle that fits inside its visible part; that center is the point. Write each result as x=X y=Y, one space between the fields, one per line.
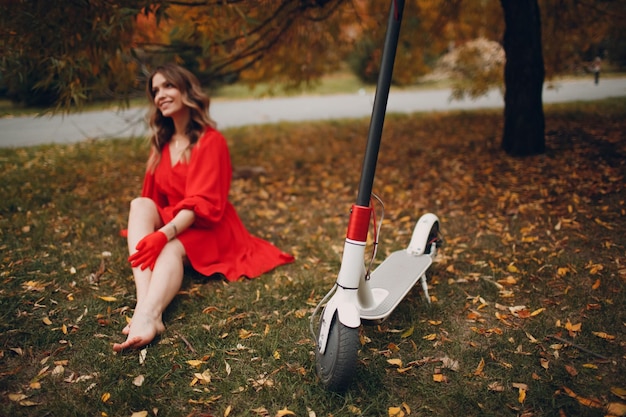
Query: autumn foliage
x=88 y=51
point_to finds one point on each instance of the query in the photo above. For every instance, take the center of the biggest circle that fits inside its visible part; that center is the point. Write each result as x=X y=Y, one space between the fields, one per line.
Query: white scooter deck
x=392 y=280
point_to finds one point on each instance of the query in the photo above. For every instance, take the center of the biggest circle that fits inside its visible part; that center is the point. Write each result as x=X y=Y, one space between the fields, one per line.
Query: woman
x=183 y=213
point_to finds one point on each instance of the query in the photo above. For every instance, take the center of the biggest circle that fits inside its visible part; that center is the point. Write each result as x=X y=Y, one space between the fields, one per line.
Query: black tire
x=434 y=236
x=336 y=367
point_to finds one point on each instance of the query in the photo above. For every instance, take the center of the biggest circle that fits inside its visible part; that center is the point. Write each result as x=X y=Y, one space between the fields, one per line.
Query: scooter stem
x=380 y=103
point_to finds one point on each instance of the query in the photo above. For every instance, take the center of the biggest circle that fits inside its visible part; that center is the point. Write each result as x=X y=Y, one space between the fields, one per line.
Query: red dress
x=217 y=241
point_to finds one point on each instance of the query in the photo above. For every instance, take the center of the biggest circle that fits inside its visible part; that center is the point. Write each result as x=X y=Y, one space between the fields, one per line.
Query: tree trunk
x=524 y=122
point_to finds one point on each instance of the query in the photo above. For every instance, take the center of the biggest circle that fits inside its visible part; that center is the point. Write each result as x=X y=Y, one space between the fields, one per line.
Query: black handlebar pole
x=380 y=103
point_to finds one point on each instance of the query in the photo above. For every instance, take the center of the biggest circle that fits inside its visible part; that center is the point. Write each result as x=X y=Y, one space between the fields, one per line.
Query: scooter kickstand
x=425 y=287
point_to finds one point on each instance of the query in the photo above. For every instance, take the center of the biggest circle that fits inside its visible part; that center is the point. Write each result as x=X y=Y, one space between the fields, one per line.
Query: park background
x=528 y=316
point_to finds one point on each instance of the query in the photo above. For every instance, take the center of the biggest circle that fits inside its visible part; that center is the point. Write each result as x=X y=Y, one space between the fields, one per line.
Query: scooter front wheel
x=337 y=365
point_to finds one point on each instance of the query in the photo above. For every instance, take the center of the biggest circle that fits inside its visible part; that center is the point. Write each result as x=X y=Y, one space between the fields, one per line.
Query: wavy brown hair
x=194 y=98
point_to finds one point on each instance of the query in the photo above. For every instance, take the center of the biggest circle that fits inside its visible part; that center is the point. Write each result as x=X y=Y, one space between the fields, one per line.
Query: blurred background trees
x=78 y=51
x=84 y=50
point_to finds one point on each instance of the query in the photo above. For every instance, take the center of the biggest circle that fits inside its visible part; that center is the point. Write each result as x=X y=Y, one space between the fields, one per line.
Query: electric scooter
x=359 y=296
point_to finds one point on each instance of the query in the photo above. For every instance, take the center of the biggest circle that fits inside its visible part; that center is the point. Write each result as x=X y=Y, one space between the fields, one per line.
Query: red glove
x=148 y=250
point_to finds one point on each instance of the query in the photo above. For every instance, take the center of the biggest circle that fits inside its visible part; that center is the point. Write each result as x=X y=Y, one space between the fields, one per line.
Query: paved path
x=28 y=131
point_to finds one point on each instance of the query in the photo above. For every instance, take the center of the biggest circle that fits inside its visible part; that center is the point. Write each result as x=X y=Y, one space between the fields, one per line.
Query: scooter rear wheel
x=337 y=365
x=434 y=236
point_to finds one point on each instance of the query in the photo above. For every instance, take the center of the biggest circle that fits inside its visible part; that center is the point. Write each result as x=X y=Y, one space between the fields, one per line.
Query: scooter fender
x=347 y=313
x=419 y=239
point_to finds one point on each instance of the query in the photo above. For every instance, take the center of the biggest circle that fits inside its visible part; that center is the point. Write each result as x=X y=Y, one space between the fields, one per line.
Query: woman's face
x=167 y=98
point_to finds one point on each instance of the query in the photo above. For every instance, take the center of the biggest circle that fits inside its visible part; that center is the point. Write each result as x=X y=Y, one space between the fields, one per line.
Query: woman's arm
x=183 y=219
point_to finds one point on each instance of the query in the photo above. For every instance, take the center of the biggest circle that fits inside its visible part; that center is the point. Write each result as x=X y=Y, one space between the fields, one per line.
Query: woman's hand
x=148 y=250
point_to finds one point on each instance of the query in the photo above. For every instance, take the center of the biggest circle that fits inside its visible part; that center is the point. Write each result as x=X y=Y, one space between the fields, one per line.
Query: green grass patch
x=528 y=316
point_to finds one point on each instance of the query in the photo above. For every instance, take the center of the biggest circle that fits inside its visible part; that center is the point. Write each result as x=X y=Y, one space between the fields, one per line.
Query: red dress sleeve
x=208 y=180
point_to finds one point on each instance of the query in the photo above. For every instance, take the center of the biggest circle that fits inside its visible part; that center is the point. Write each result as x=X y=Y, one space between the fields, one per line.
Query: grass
x=527 y=318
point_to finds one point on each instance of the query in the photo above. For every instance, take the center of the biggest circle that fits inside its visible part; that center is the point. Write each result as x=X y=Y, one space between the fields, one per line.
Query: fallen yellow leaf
x=616 y=409
x=407 y=333
x=138 y=381
x=495 y=387
x=480 y=367
x=537 y=312
x=603 y=224
x=355 y=410
x=34 y=286
x=285 y=412
x=531 y=338
x=17 y=397
x=395 y=412
x=396 y=362
x=573 y=328
x=440 y=378
x=108 y=298
x=508 y=281
x=195 y=363
x=562 y=271
x=620 y=392
x=245 y=334
x=393 y=347
x=582 y=400
x=204 y=378
x=522 y=396
x=105 y=397
x=604 y=335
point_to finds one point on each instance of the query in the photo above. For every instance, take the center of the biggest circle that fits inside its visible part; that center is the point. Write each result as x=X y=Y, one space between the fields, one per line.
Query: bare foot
x=143 y=331
x=126 y=329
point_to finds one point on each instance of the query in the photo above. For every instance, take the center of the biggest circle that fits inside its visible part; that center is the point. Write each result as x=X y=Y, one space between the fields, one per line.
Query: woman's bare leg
x=165 y=281
x=143 y=219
